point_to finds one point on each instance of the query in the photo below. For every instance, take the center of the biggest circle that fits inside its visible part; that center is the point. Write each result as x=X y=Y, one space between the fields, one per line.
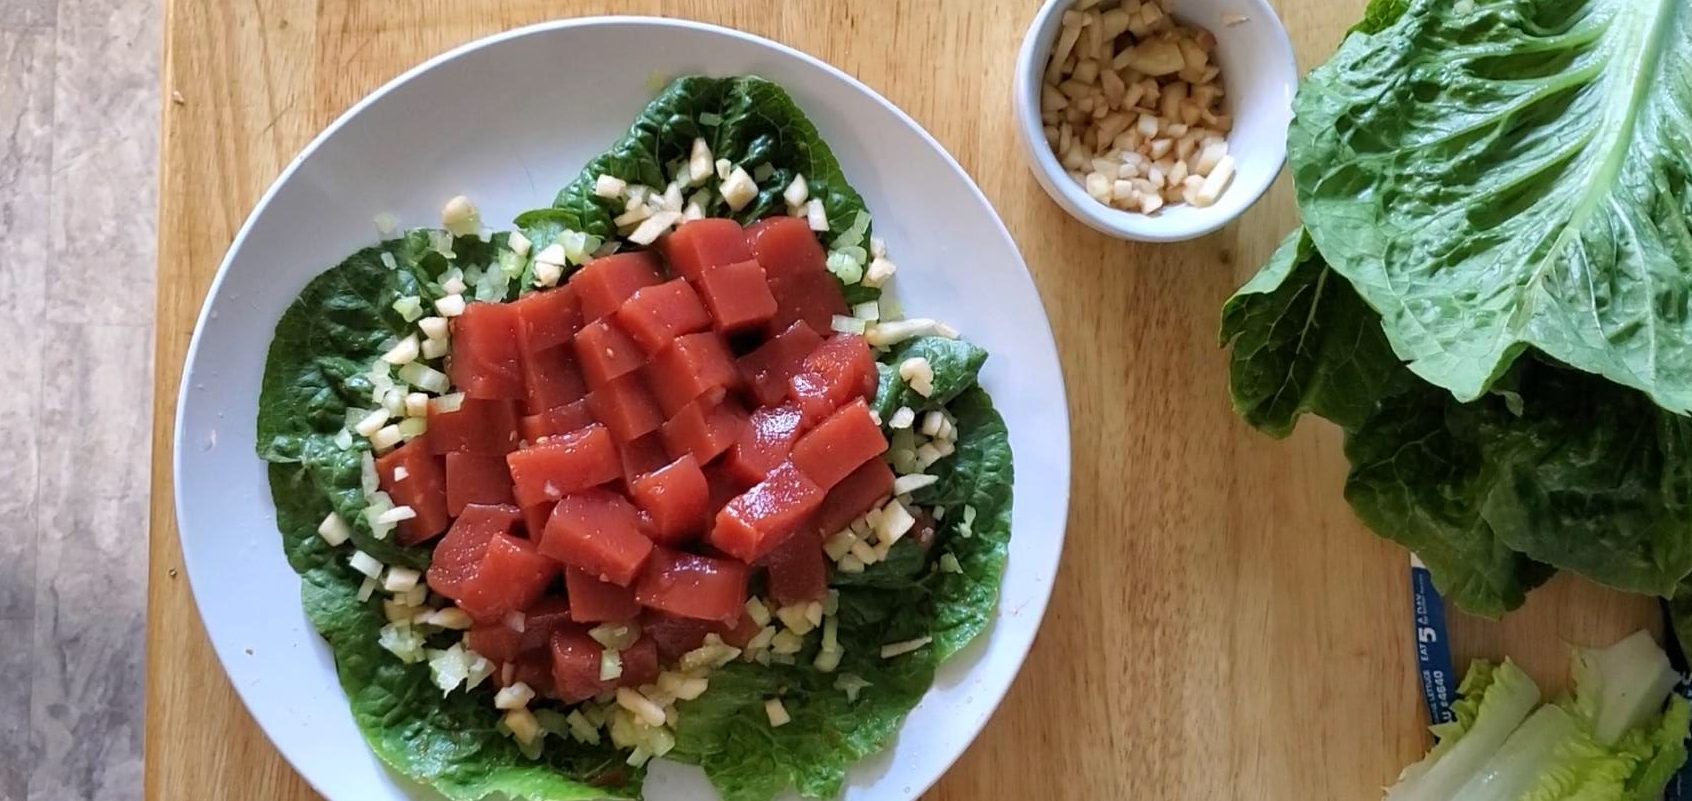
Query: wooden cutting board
x=1222 y=626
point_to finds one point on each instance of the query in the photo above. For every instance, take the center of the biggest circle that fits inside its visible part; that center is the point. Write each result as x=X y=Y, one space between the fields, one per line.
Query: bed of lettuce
x=1491 y=291
x=316 y=369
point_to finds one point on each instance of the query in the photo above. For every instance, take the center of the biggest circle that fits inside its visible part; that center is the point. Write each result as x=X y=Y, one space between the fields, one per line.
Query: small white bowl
x=1259 y=76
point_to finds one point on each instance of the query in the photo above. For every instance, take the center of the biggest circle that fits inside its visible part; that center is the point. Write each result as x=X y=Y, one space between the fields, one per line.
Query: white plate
x=509 y=120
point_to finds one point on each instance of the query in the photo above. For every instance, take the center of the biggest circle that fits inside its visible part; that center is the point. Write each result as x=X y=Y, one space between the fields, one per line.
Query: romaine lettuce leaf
x=1511 y=176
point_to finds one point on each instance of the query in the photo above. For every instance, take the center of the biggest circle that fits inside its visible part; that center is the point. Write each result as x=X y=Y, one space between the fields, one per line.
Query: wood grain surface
x=1222 y=628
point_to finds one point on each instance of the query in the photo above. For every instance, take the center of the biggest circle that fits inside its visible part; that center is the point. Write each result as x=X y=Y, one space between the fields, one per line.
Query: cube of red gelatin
x=549 y=470
x=846 y=357
x=604 y=283
x=693 y=366
x=424 y=489
x=677 y=499
x=642 y=456
x=815 y=396
x=767 y=370
x=471 y=478
x=459 y=554
x=496 y=641
x=626 y=407
x=699 y=245
x=575 y=666
x=814 y=298
x=760 y=519
x=640 y=664
x=534 y=520
x=786 y=246
x=595 y=601
x=543 y=617
x=738 y=296
x=704 y=431
x=599 y=532
x=798 y=569
x=839 y=444
x=482 y=427
x=548 y=318
x=486 y=353
x=557 y=420
x=605 y=352
x=511 y=576
x=674 y=635
x=655 y=315
x=551 y=379
x=764 y=442
x=862 y=490
x=688 y=585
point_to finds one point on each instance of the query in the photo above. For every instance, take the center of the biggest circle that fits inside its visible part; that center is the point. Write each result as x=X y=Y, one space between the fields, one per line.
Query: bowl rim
x=1055 y=180
x=1039 y=599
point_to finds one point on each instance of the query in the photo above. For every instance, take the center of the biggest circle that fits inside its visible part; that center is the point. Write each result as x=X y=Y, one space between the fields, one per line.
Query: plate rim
x=1040 y=597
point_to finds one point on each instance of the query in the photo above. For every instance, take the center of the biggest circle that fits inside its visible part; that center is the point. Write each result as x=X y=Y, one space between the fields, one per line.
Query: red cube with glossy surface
x=486 y=352
x=511 y=577
x=688 y=585
x=599 y=532
x=604 y=283
x=642 y=456
x=424 y=489
x=677 y=499
x=496 y=641
x=471 y=478
x=760 y=519
x=738 y=296
x=483 y=427
x=694 y=366
x=814 y=298
x=798 y=569
x=458 y=554
x=767 y=370
x=765 y=441
x=595 y=601
x=785 y=247
x=545 y=616
x=860 y=491
x=576 y=659
x=839 y=444
x=605 y=352
x=547 y=319
x=847 y=356
x=626 y=407
x=549 y=470
x=534 y=519
x=655 y=315
x=551 y=379
x=556 y=420
x=704 y=431
x=699 y=245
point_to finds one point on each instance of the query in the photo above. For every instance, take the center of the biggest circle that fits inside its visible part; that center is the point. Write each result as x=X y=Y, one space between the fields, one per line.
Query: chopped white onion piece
x=918 y=375
x=425 y=378
x=949 y=563
x=738 y=189
x=523 y=725
x=547 y=273
x=409 y=307
x=851 y=685
x=654 y=226
x=365 y=563
x=905 y=485
x=827 y=661
x=850 y=563
x=816 y=215
x=516 y=696
x=454 y=285
x=723 y=167
x=902 y=418
x=869 y=311
x=672 y=199
x=610 y=664
x=699 y=163
x=932 y=422
x=396 y=514
x=891 y=650
x=846 y=325
x=880 y=270
x=368 y=480
x=446 y=404
x=386 y=225
x=433 y=327
x=892 y=331
x=334 y=530
x=793 y=617
x=797 y=192
x=404 y=352
x=518 y=243
x=632 y=217
x=435 y=348
x=756 y=610
x=640 y=706
x=450 y=306
x=777 y=713
x=401 y=579
x=450 y=617
x=609 y=187
x=416 y=404
x=552 y=254
x=460 y=217
x=368 y=425
x=386 y=437
x=894 y=523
